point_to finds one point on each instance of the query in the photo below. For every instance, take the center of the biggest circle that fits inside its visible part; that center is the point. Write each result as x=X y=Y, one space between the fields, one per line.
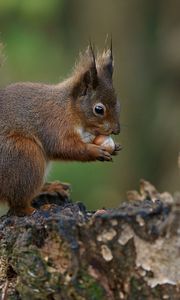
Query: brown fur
x=38 y=123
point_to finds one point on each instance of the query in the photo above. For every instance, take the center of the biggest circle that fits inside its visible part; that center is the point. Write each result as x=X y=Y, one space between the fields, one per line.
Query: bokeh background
x=42 y=39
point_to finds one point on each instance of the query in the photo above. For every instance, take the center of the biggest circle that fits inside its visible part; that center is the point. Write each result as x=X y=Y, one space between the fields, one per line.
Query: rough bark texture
x=64 y=252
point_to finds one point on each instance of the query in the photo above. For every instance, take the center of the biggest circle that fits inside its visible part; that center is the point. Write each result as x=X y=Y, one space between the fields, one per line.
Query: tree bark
x=62 y=251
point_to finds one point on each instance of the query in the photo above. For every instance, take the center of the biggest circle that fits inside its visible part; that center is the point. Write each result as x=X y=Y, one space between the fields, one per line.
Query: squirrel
x=41 y=122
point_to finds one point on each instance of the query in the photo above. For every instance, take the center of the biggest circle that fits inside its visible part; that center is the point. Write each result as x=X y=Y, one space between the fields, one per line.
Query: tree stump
x=64 y=252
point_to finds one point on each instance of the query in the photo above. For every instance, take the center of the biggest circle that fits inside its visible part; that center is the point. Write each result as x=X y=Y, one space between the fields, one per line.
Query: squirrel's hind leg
x=22 y=167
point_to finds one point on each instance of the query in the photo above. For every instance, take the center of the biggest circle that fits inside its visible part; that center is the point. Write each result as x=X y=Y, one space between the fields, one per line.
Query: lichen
x=161 y=258
x=57 y=254
x=125 y=235
x=106 y=253
x=106 y=235
x=3 y=267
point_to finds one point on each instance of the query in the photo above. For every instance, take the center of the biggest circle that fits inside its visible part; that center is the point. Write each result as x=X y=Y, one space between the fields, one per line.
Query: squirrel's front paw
x=117 y=148
x=98 y=153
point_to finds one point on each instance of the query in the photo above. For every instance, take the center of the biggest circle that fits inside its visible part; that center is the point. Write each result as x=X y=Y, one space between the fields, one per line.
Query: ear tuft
x=105 y=62
x=108 y=63
x=86 y=72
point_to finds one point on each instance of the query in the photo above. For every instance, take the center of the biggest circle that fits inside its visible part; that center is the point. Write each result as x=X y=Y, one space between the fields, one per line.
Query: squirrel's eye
x=99 y=109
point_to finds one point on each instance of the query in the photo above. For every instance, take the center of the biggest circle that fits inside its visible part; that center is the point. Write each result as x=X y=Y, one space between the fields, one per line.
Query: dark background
x=42 y=39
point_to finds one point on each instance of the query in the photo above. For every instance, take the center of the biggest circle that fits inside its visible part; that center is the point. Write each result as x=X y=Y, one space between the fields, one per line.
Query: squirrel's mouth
x=88 y=135
x=100 y=131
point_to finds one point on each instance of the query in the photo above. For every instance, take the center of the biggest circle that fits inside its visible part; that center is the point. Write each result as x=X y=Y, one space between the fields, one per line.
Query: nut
x=106 y=142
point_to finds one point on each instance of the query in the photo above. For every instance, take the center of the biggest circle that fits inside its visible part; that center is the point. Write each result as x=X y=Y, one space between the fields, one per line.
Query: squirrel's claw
x=104 y=155
x=118 y=148
x=98 y=153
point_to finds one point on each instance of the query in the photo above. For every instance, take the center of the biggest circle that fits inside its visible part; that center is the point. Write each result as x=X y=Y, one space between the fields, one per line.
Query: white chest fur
x=85 y=136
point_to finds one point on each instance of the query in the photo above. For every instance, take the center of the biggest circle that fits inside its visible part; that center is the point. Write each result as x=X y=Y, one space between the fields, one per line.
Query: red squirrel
x=41 y=122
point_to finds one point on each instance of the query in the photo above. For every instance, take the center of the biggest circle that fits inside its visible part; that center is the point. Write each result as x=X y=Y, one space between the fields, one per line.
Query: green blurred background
x=42 y=39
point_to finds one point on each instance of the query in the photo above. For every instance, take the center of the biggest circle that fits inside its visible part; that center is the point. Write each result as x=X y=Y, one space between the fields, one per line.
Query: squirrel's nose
x=116 y=129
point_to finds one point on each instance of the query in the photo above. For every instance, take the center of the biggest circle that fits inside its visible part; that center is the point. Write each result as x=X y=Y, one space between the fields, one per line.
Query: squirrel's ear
x=87 y=73
x=90 y=76
x=106 y=62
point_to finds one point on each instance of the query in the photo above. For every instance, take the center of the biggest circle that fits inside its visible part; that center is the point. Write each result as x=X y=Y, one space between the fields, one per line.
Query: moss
x=139 y=287
x=89 y=287
x=134 y=288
